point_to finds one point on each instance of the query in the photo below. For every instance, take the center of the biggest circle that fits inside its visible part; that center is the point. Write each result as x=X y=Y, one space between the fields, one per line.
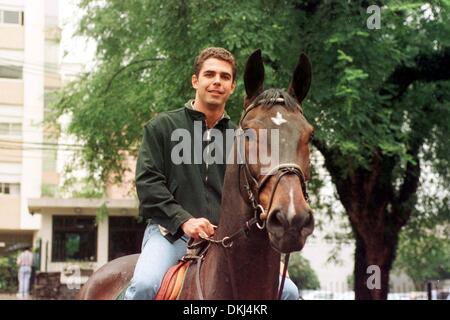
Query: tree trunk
x=360 y=275
x=377 y=211
x=373 y=264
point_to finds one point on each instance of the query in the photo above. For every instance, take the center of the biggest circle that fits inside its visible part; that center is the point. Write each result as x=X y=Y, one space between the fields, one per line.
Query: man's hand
x=198 y=228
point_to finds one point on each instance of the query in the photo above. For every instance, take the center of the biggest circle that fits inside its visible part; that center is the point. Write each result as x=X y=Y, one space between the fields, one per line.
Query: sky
x=73 y=49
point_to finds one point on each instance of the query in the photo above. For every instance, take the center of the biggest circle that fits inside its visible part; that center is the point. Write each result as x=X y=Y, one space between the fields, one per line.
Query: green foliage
x=8 y=273
x=424 y=256
x=302 y=274
x=91 y=187
x=145 y=52
x=424 y=248
x=48 y=190
x=158 y=41
x=101 y=213
x=72 y=244
x=350 y=281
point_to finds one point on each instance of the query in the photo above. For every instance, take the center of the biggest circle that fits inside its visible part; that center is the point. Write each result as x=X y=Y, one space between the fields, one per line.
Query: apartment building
x=62 y=231
x=29 y=72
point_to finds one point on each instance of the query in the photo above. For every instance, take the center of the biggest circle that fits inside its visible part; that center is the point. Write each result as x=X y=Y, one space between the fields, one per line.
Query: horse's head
x=279 y=183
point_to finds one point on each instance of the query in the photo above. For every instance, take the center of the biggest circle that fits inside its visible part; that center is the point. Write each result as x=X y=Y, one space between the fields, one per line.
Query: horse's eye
x=311 y=137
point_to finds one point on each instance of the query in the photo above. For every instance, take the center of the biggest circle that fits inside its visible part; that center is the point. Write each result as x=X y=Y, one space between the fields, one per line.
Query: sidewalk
x=11 y=296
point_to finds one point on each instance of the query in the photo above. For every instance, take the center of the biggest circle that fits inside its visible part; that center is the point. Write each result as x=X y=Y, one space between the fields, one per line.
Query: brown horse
x=265 y=211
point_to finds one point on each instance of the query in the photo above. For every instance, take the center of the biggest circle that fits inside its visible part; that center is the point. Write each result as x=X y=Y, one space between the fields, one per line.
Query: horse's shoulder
x=124 y=261
x=107 y=281
x=122 y=267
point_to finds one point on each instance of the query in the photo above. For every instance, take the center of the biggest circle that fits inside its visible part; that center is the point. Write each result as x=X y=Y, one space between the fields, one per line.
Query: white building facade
x=32 y=158
x=29 y=71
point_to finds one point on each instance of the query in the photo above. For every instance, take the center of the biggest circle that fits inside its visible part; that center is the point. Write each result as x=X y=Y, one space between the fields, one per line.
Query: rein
x=260 y=214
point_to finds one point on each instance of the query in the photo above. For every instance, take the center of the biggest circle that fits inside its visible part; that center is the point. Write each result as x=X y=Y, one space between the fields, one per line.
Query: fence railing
x=432 y=290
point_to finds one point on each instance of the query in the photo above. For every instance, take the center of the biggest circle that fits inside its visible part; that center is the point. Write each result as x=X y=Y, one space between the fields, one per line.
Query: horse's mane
x=271 y=97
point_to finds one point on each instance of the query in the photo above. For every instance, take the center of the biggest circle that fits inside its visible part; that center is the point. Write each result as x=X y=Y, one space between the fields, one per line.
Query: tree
x=302 y=274
x=8 y=273
x=425 y=257
x=383 y=109
x=379 y=98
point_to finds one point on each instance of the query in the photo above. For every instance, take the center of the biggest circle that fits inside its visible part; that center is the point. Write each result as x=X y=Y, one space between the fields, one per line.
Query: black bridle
x=261 y=213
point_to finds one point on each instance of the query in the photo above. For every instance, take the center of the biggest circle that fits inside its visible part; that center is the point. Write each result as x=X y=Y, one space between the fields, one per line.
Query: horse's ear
x=301 y=80
x=253 y=77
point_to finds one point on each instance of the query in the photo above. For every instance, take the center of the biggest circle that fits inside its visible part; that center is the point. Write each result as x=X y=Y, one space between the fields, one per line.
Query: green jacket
x=169 y=193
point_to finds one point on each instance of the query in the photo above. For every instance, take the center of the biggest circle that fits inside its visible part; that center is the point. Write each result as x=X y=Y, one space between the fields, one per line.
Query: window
x=125 y=236
x=4 y=128
x=11 y=72
x=9 y=188
x=11 y=17
x=10 y=129
x=4 y=188
x=74 y=238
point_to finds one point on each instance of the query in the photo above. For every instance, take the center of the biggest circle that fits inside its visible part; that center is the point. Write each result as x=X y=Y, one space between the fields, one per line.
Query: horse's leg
x=108 y=281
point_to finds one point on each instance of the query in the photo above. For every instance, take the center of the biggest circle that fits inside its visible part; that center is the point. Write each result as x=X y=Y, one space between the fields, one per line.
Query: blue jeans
x=24 y=279
x=157 y=256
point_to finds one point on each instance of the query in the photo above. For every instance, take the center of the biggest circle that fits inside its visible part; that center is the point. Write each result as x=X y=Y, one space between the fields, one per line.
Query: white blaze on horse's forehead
x=278 y=120
x=291 y=208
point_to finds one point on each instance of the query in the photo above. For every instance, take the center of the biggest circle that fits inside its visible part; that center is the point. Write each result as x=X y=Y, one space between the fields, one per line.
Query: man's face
x=215 y=83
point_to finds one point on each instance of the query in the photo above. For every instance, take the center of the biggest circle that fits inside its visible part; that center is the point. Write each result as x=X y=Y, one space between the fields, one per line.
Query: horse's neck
x=250 y=267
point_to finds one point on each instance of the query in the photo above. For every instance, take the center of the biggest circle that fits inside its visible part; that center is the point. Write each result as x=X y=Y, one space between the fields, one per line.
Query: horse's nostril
x=276 y=222
x=309 y=221
x=302 y=220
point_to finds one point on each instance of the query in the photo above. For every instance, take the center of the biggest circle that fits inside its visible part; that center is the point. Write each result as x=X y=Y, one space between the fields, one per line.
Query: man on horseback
x=183 y=201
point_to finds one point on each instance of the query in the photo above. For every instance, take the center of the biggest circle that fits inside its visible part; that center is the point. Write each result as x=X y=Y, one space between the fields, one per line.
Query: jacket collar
x=198 y=115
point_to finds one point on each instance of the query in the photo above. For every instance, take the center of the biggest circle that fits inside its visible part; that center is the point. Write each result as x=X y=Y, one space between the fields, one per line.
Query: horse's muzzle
x=289 y=233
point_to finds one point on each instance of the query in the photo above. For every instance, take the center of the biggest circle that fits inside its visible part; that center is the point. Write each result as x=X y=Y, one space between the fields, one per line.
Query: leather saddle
x=174 y=278
x=173 y=281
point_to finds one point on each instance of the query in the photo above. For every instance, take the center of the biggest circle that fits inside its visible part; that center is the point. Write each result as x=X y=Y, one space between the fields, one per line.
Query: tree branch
x=126 y=67
x=310 y=6
x=428 y=68
x=335 y=171
x=404 y=202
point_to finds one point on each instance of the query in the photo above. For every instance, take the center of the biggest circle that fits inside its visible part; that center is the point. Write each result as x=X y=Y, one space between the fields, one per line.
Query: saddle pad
x=172 y=281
